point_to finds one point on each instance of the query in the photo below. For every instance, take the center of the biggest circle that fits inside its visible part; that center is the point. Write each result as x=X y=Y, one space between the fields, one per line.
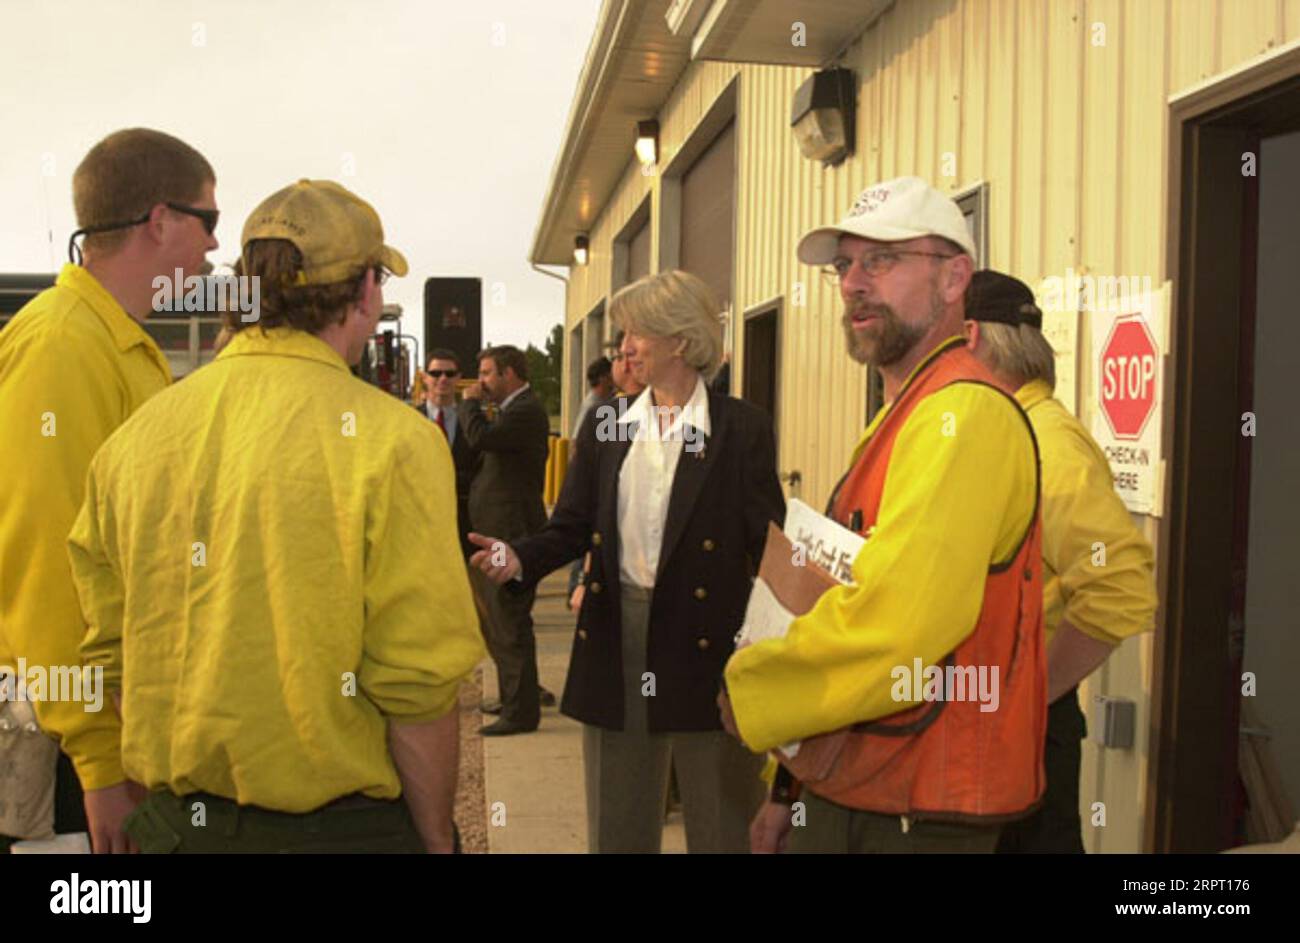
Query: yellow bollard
x=548 y=492
x=561 y=465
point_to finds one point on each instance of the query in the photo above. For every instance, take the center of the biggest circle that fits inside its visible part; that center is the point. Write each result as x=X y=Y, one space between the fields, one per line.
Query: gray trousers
x=831 y=828
x=507 y=620
x=627 y=770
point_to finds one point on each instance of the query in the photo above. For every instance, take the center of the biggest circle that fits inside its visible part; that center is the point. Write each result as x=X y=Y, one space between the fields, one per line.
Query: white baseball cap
x=893 y=211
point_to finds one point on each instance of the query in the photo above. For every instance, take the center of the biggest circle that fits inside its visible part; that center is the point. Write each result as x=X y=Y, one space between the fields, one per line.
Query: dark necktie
x=442 y=423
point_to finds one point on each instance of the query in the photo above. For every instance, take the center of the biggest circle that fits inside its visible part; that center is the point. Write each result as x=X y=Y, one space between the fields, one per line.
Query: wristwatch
x=785 y=788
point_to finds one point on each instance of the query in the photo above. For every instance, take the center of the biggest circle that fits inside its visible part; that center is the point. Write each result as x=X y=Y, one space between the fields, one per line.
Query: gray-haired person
x=673 y=496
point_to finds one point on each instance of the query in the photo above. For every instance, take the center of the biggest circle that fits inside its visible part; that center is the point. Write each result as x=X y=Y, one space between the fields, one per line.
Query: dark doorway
x=1211 y=570
x=762 y=359
x=708 y=214
x=631 y=249
x=578 y=367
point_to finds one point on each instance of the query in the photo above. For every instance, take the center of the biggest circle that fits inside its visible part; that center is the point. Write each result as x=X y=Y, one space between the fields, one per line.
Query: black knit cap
x=993 y=296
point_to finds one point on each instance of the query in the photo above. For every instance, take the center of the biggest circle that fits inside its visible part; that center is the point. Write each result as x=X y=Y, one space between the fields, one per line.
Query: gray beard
x=894 y=337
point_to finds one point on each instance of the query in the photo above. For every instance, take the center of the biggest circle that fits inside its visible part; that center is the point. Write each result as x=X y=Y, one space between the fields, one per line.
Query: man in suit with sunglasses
x=145 y=203
x=439 y=391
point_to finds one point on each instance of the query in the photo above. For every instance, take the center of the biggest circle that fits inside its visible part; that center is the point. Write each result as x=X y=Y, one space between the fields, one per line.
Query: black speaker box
x=453 y=318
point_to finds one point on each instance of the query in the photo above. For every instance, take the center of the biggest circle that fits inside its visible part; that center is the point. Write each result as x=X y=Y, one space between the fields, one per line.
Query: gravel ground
x=471 y=809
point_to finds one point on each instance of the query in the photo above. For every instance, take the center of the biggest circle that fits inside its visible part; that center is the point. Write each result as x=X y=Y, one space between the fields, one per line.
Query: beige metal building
x=1094 y=137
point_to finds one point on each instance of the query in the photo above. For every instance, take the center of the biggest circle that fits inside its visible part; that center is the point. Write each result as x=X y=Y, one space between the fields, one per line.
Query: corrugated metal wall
x=1060 y=105
x=699 y=88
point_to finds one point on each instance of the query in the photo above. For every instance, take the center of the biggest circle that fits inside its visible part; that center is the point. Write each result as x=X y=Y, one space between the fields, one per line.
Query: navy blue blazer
x=722 y=498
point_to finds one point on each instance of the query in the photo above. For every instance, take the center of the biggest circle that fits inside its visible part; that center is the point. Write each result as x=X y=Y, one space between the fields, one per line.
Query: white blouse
x=645 y=481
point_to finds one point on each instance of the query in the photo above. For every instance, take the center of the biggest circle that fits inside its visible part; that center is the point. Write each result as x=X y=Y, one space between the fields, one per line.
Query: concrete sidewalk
x=537 y=777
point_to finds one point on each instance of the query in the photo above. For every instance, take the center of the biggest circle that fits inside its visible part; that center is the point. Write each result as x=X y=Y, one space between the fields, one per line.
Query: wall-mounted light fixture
x=647 y=142
x=580 y=246
x=823 y=116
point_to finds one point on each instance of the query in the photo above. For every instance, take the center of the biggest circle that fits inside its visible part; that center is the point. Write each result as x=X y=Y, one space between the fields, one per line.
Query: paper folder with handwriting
x=812 y=554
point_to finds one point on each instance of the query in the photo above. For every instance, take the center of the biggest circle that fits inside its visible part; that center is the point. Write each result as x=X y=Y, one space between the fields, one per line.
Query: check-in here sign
x=1127 y=365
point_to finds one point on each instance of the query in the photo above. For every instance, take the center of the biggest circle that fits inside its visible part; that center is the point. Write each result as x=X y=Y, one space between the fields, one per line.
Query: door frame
x=1195 y=699
x=776 y=306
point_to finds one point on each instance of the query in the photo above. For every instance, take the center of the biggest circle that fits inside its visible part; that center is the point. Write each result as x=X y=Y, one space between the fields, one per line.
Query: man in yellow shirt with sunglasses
x=146 y=205
x=269 y=563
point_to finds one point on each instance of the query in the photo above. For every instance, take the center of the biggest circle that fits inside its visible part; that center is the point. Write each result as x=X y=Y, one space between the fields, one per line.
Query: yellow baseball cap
x=338 y=233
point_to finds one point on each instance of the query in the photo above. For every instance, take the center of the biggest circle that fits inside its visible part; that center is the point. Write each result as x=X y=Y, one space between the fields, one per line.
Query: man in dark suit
x=439 y=382
x=505 y=500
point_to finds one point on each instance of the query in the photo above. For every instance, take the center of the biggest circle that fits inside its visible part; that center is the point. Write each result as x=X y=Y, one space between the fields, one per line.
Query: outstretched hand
x=494 y=557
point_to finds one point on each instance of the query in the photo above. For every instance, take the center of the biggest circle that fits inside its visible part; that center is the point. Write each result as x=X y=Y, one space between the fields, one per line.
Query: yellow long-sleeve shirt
x=953 y=504
x=269 y=562
x=1098 y=570
x=73 y=366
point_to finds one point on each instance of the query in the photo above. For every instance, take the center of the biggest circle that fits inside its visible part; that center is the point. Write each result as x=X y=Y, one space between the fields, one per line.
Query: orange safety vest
x=948 y=759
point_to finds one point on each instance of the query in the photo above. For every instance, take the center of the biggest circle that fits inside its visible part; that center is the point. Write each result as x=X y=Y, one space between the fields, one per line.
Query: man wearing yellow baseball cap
x=274 y=542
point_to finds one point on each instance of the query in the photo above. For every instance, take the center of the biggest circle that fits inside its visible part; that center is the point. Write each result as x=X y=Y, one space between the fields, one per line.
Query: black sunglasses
x=443 y=373
x=207 y=217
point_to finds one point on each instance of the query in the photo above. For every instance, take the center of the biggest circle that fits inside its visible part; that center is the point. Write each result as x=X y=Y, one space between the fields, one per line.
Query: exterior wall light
x=647 y=142
x=823 y=116
x=580 y=246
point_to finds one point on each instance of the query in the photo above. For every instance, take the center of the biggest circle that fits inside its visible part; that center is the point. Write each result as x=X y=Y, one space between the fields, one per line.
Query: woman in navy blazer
x=676 y=523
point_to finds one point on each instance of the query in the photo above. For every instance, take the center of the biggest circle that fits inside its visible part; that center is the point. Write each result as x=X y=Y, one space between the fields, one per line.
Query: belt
x=227 y=814
x=354 y=800
x=161 y=822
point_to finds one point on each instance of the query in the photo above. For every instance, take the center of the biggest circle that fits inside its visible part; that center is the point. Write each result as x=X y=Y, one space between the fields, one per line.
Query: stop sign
x=1129 y=359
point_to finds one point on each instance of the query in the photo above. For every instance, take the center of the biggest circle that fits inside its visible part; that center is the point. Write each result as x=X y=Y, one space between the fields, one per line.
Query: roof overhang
x=764 y=31
x=637 y=55
x=633 y=63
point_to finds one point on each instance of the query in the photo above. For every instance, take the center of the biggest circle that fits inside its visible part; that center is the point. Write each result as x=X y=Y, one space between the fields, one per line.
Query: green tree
x=544 y=368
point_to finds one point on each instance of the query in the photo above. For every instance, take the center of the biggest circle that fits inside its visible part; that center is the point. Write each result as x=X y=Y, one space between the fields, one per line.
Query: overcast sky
x=446 y=116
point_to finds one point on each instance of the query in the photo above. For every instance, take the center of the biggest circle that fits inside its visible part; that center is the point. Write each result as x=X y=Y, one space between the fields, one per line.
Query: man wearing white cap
x=273 y=545
x=926 y=674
